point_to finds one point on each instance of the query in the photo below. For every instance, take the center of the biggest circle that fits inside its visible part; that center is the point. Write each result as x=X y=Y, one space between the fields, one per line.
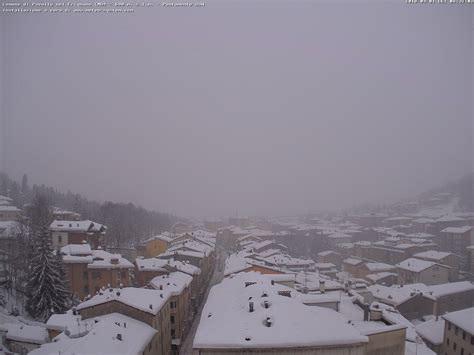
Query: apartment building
x=65 y=232
x=151 y=307
x=459 y=333
x=88 y=271
x=421 y=271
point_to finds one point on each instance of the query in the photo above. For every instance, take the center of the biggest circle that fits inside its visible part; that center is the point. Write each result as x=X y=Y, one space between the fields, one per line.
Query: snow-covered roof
x=226 y=321
x=192 y=254
x=353 y=261
x=32 y=334
x=328 y=252
x=76 y=249
x=339 y=235
x=396 y=295
x=433 y=255
x=174 y=282
x=263 y=244
x=5 y=198
x=105 y=260
x=415 y=265
x=432 y=330
x=113 y=334
x=4 y=208
x=378 y=267
x=446 y=289
x=76 y=226
x=449 y=218
x=75 y=325
x=379 y=276
x=156 y=264
x=8 y=228
x=457 y=230
x=162 y=237
x=464 y=319
x=149 y=301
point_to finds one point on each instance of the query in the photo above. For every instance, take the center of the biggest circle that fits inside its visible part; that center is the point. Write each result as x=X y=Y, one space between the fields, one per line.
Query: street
x=187 y=345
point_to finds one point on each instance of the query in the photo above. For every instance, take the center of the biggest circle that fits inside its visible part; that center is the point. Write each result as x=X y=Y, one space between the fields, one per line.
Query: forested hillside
x=126 y=222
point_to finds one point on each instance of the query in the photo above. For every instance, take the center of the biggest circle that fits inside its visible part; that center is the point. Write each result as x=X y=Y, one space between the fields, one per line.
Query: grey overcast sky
x=266 y=107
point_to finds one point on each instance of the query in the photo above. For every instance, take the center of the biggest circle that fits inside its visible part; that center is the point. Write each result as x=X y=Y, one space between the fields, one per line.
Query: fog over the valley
x=240 y=107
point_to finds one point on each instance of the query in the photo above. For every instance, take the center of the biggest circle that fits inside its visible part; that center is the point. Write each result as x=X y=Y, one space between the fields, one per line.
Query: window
x=173 y=334
x=172 y=319
x=447 y=341
x=455 y=346
x=462 y=351
x=449 y=326
x=84 y=275
x=60 y=238
x=456 y=330
x=173 y=304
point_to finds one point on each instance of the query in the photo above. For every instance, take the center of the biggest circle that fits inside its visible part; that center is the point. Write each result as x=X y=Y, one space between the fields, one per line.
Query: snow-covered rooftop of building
x=415 y=265
x=464 y=319
x=449 y=218
x=449 y=288
x=191 y=254
x=8 y=228
x=113 y=334
x=25 y=333
x=396 y=295
x=156 y=264
x=150 y=301
x=457 y=230
x=339 y=235
x=431 y=330
x=379 y=267
x=163 y=237
x=4 y=208
x=353 y=261
x=379 y=276
x=76 y=249
x=433 y=255
x=328 y=252
x=174 y=282
x=74 y=324
x=227 y=322
x=105 y=260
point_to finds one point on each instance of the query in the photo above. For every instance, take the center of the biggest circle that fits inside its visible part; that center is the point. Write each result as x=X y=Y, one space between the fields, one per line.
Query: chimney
x=250 y=306
x=273 y=282
x=119 y=336
x=114 y=260
x=266 y=304
x=322 y=286
x=161 y=287
x=268 y=322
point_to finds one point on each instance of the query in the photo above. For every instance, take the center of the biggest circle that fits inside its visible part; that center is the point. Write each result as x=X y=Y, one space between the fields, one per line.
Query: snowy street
x=187 y=347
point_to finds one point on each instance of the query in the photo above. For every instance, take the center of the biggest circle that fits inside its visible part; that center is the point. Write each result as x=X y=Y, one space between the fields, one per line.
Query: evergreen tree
x=45 y=286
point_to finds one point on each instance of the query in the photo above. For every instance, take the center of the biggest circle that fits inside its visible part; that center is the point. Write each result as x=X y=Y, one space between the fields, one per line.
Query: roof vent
x=161 y=295
x=268 y=322
x=273 y=282
x=248 y=338
x=250 y=306
x=150 y=306
x=266 y=304
x=119 y=336
x=161 y=287
x=264 y=294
